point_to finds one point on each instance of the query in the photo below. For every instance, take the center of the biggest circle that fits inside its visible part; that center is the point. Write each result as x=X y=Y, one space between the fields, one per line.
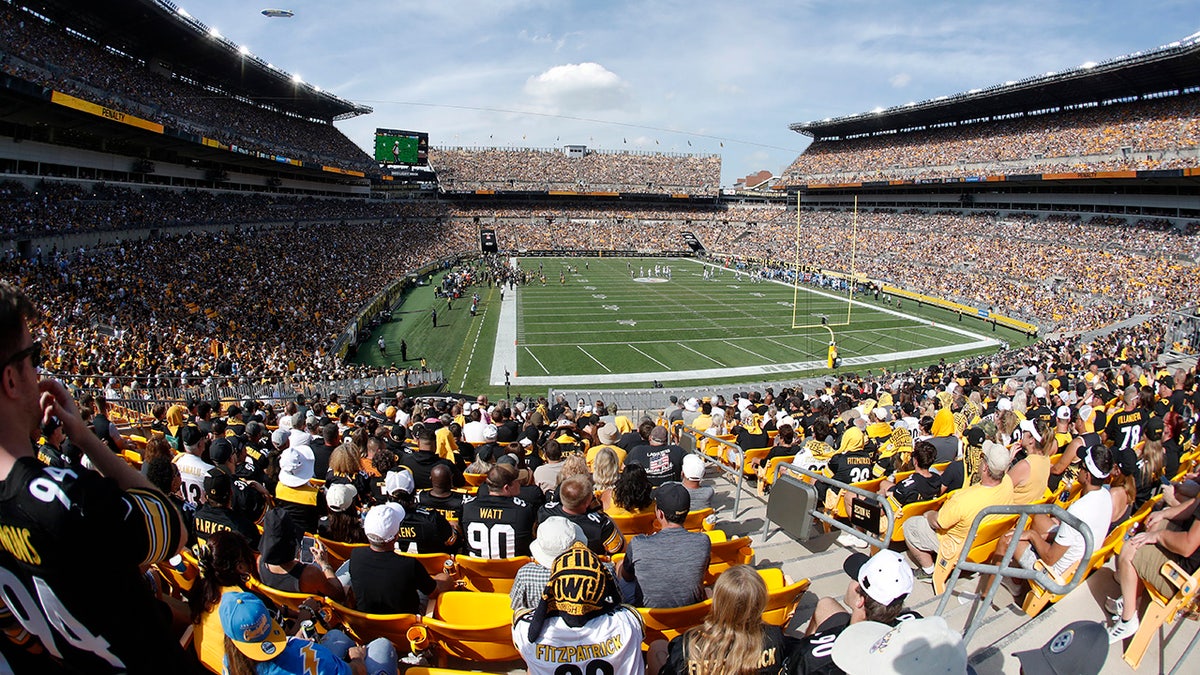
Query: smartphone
x=306 y=554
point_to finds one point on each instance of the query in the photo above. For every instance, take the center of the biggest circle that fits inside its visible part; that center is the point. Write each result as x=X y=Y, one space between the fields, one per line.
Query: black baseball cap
x=220 y=450
x=673 y=499
x=218 y=486
x=1080 y=648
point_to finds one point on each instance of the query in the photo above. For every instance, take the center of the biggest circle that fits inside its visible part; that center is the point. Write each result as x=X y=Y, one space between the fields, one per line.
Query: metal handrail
x=880 y=543
x=737 y=476
x=1043 y=578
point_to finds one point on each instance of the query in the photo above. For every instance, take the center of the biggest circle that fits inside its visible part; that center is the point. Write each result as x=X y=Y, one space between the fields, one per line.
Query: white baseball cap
x=1063 y=412
x=340 y=496
x=1039 y=392
x=489 y=432
x=554 y=536
x=399 y=480
x=296 y=466
x=693 y=467
x=884 y=576
x=1004 y=404
x=383 y=522
x=927 y=646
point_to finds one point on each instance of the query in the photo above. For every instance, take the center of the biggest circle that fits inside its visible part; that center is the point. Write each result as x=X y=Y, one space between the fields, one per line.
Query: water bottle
x=1133 y=529
x=308 y=629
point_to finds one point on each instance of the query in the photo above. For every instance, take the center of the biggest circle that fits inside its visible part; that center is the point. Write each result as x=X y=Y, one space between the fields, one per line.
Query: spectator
x=441 y=497
x=279 y=568
x=546 y=475
x=342 y=523
x=254 y=643
x=580 y=605
x=295 y=493
x=386 y=583
x=669 y=565
x=1031 y=475
x=426 y=530
x=606 y=470
x=555 y=535
x=576 y=496
x=733 y=638
x=95 y=511
x=693 y=473
x=661 y=460
x=878 y=588
x=942 y=532
x=421 y=462
x=497 y=523
x=215 y=514
x=921 y=645
x=1061 y=549
x=633 y=494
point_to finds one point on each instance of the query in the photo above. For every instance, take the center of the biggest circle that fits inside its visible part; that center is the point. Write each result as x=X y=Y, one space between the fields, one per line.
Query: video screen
x=393 y=146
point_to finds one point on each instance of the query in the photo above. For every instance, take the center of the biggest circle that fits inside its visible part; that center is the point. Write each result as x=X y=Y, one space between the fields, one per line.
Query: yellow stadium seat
x=475 y=479
x=364 y=627
x=434 y=563
x=282 y=598
x=771 y=470
x=338 y=552
x=489 y=576
x=472 y=626
x=695 y=520
x=748 y=458
x=631 y=526
x=986 y=538
x=1162 y=609
x=726 y=553
x=1038 y=598
x=915 y=509
x=180 y=581
x=666 y=624
x=782 y=597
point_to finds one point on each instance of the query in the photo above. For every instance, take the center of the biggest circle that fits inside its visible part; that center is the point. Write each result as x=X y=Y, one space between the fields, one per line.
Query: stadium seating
x=338 y=552
x=282 y=598
x=467 y=625
x=782 y=597
x=666 y=624
x=1162 y=609
x=434 y=563
x=489 y=576
x=364 y=627
x=726 y=553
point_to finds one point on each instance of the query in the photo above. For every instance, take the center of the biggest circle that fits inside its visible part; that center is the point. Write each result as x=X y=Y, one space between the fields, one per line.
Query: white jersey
x=614 y=639
x=192 y=470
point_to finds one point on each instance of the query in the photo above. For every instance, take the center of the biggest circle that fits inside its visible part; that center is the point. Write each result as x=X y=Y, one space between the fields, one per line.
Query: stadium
x=207 y=250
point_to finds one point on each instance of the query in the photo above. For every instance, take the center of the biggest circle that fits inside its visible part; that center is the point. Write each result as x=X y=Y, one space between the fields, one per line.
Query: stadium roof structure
x=159 y=29
x=1170 y=69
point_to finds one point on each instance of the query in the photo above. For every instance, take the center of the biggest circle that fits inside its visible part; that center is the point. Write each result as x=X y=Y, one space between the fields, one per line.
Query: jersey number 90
x=498 y=540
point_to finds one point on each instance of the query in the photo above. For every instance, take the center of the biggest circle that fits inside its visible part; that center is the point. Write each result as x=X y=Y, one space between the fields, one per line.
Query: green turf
x=601 y=321
x=684 y=324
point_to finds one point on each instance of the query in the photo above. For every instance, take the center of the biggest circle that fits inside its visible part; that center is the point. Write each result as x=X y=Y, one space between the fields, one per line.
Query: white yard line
x=650 y=357
x=701 y=354
x=539 y=362
x=746 y=350
x=593 y=358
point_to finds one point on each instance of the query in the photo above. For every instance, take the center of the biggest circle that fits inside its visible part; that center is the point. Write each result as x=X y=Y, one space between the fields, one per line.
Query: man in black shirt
x=421 y=462
x=322 y=450
x=215 y=515
x=386 y=583
x=99 y=618
x=496 y=523
x=878 y=587
x=440 y=497
x=662 y=462
x=424 y=528
x=576 y=494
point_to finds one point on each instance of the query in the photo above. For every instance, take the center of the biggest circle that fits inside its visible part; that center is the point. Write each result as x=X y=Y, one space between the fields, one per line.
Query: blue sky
x=656 y=75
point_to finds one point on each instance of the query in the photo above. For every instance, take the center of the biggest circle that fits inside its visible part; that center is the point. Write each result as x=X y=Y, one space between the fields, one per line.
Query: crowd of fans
x=1069 y=275
x=1139 y=135
x=273 y=299
x=467 y=170
x=50 y=56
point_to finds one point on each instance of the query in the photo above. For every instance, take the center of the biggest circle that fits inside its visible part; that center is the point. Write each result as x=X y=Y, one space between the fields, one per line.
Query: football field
x=612 y=321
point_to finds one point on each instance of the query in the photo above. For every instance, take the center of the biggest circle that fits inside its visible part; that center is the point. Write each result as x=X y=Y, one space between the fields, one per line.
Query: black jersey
x=813 y=654
x=450 y=506
x=429 y=530
x=209 y=519
x=257 y=460
x=71 y=543
x=603 y=535
x=1124 y=429
x=497 y=527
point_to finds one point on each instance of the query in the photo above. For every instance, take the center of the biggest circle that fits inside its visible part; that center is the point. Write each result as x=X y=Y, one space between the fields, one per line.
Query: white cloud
x=900 y=80
x=578 y=87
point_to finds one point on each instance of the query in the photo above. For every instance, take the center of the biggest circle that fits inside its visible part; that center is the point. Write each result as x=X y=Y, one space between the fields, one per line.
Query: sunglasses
x=33 y=352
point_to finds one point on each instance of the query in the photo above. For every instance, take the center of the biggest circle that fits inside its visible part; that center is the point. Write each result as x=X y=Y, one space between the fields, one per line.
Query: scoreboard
x=393 y=146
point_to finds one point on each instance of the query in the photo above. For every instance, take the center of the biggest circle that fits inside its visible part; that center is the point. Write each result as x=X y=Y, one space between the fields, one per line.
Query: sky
x=671 y=76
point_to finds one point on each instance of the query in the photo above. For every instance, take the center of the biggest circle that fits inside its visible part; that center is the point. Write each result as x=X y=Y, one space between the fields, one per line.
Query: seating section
x=1140 y=135
x=534 y=170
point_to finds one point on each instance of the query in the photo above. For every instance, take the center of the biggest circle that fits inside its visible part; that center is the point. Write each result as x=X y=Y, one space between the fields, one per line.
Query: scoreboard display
x=393 y=146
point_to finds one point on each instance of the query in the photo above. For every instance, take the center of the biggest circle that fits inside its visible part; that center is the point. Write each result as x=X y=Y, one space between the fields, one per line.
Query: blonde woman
x=733 y=639
x=606 y=469
x=1031 y=475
